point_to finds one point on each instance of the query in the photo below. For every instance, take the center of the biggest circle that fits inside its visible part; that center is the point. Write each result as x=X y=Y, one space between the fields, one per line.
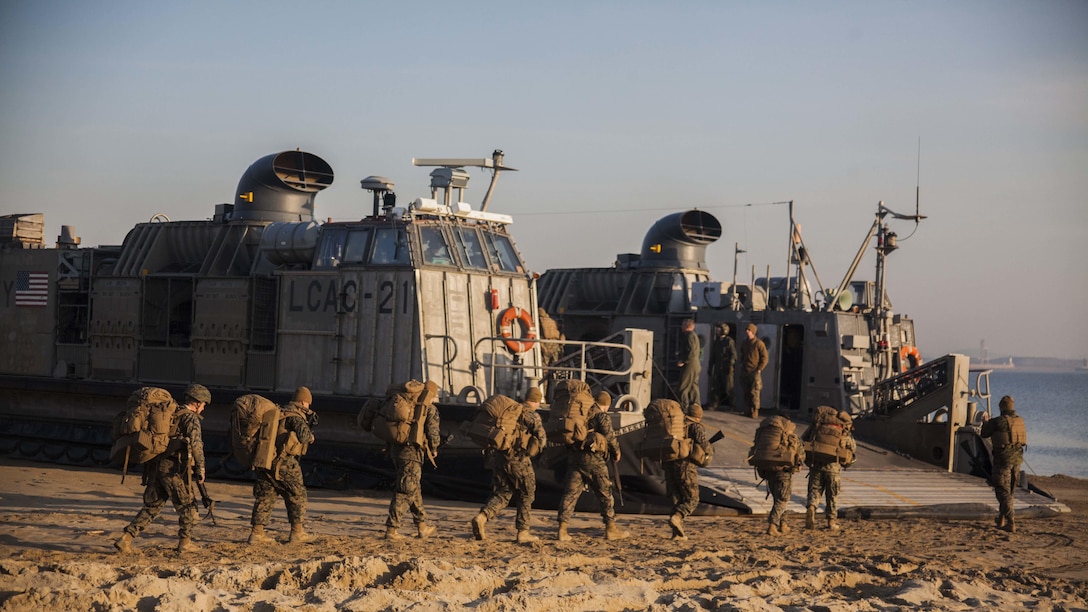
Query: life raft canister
x=909 y=357
x=521 y=342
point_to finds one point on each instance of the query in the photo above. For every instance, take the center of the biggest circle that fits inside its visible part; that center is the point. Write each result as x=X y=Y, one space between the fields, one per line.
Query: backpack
x=399 y=419
x=666 y=436
x=776 y=446
x=824 y=440
x=142 y=431
x=572 y=405
x=287 y=442
x=254 y=426
x=496 y=425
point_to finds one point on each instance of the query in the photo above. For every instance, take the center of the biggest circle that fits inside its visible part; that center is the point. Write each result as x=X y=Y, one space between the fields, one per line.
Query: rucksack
x=824 y=440
x=572 y=405
x=666 y=435
x=287 y=442
x=254 y=425
x=142 y=431
x=496 y=425
x=399 y=418
x=776 y=446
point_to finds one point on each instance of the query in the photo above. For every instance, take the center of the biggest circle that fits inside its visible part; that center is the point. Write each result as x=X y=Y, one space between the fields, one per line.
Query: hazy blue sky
x=615 y=113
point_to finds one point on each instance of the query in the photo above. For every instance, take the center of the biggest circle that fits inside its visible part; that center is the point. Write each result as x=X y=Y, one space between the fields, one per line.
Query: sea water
x=1054 y=406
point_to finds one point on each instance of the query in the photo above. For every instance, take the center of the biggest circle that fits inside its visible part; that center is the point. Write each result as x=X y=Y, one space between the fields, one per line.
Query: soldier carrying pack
x=254 y=426
x=399 y=417
x=142 y=431
x=497 y=425
x=666 y=437
x=776 y=447
x=1013 y=433
x=825 y=439
x=572 y=405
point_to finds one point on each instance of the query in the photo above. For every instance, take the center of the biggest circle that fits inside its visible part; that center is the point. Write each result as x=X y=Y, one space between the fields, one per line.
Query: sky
x=615 y=114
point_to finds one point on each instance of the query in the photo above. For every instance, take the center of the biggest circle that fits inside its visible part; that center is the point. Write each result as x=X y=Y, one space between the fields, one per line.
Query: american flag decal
x=31 y=288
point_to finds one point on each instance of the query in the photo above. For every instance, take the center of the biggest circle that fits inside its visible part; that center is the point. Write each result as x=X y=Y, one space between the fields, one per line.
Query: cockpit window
x=503 y=255
x=471 y=251
x=390 y=247
x=332 y=248
x=355 y=249
x=435 y=249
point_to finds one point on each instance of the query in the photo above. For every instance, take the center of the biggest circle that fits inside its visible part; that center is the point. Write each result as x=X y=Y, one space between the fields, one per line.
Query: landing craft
x=263 y=298
x=839 y=346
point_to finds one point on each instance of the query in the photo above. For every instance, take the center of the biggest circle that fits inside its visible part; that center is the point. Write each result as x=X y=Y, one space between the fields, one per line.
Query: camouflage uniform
x=514 y=477
x=780 y=486
x=723 y=360
x=1006 y=466
x=285 y=477
x=584 y=465
x=753 y=357
x=825 y=478
x=689 y=371
x=408 y=461
x=168 y=476
x=682 y=475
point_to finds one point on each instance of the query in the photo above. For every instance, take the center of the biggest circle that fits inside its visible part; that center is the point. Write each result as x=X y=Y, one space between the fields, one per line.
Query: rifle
x=716 y=437
x=208 y=502
x=616 y=481
x=124 y=469
x=431 y=454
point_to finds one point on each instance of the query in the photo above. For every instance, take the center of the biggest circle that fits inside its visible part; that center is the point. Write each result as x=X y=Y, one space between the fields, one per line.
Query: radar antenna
x=494 y=163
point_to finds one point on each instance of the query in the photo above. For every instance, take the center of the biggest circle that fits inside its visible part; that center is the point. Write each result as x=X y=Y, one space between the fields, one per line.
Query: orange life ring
x=521 y=343
x=909 y=357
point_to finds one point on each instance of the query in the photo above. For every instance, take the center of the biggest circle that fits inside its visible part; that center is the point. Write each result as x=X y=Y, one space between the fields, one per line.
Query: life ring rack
x=909 y=357
x=520 y=343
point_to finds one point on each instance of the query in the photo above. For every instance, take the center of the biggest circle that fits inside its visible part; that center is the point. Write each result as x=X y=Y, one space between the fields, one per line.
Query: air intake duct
x=281 y=187
x=680 y=240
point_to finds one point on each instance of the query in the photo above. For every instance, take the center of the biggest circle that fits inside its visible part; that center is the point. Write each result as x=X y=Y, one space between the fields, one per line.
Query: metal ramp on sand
x=877 y=494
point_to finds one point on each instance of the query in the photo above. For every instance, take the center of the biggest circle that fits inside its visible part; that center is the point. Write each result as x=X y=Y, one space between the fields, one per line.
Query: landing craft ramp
x=880 y=485
x=875 y=493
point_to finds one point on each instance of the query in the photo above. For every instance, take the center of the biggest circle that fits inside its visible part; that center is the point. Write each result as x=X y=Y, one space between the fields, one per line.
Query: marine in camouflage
x=591 y=468
x=408 y=461
x=1007 y=460
x=723 y=360
x=285 y=477
x=169 y=477
x=682 y=475
x=514 y=477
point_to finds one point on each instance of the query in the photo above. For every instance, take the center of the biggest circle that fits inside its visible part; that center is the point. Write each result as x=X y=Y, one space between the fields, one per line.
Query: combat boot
x=299 y=535
x=810 y=518
x=613 y=532
x=124 y=543
x=391 y=533
x=677 y=524
x=772 y=529
x=563 y=536
x=425 y=530
x=1010 y=523
x=832 y=524
x=257 y=535
x=185 y=544
x=478 y=522
x=524 y=537
x=782 y=528
x=999 y=522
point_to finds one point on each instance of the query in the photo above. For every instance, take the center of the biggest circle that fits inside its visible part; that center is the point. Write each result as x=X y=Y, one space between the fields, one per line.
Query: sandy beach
x=58 y=524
